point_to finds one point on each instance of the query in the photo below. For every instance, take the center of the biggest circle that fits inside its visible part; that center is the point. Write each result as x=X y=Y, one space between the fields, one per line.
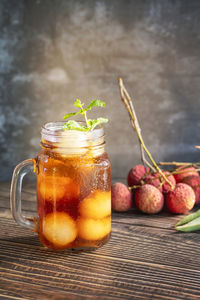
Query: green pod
x=189 y=218
x=194 y=225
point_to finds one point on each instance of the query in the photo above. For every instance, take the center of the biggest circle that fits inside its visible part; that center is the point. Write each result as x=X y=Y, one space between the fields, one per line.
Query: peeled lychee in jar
x=59 y=229
x=69 y=143
x=92 y=230
x=54 y=188
x=96 y=205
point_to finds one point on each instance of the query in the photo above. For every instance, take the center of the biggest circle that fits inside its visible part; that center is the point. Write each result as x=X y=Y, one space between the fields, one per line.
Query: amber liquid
x=74 y=200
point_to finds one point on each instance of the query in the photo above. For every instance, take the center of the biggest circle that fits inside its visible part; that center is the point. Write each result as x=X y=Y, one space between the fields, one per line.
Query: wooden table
x=145 y=259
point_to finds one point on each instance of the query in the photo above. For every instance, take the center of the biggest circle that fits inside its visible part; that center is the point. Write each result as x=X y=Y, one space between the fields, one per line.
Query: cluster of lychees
x=150 y=191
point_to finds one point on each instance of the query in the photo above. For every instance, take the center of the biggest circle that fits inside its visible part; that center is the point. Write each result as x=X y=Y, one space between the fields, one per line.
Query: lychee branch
x=175 y=163
x=136 y=126
x=129 y=106
x=183 y=166
x=182 y=171
x=134 y=122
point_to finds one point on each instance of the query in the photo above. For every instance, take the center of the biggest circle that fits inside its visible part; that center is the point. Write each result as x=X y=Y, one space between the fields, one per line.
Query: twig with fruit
x=150 y=186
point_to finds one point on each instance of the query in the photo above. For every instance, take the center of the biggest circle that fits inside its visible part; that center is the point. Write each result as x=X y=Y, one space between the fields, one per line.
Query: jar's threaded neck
x=53 y=136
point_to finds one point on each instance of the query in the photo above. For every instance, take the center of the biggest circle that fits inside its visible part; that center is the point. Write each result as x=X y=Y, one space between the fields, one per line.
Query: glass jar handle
x=20 y=171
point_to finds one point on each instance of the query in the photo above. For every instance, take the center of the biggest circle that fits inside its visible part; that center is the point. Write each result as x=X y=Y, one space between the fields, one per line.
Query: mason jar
x=73 y=189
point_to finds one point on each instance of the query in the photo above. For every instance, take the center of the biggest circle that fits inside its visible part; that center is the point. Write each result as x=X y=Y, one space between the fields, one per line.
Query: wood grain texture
x=145 y=259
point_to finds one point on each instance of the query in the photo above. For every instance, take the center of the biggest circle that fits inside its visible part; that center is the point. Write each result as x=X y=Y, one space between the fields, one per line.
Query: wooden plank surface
x=145 y=259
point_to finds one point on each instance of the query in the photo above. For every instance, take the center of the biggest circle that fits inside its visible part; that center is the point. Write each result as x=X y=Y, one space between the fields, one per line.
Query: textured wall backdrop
x=52 y=52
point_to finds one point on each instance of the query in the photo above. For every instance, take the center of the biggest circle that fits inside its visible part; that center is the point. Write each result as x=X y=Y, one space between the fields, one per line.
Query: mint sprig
x=90 y=124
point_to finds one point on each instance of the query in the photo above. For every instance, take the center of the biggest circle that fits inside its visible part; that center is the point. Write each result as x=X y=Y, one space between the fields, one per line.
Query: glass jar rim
x=54 y=132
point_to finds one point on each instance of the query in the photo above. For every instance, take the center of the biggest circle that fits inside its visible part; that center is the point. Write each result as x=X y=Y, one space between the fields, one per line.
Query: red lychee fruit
x=154 y=179
x=166 y=187
x=194 y=182
x=121 y=197
x=136 y=174
x=149 y=199
x=184 y=172
x=181 y=199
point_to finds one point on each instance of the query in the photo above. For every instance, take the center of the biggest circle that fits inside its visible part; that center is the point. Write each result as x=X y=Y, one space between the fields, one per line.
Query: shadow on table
x=29 y=240
x=37 y=245
x=29 y=250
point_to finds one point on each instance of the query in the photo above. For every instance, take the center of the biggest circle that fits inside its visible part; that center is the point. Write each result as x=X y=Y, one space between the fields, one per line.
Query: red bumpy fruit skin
x=135 y=174
x=149 y=199
x=153 y=179
x=185 y=173
x=194 y=182
x=181 y=199
x=121 y=197
x=166 y=187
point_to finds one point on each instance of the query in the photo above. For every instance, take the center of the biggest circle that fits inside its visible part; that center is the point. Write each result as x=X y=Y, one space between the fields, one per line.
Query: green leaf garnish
x=90 y=124
x=96 y=103
x=70 y=115
x=94 y=123
x=73 y=125
x=78 y=103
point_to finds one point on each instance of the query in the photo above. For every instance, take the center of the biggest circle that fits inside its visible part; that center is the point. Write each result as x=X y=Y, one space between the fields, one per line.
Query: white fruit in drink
x=59 y=228
x=54 y=188
x=96 y=205
x=72 y=142
x=92 y=230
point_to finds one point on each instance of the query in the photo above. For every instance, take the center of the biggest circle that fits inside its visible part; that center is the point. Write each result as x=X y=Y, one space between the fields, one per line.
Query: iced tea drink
x=73 y=188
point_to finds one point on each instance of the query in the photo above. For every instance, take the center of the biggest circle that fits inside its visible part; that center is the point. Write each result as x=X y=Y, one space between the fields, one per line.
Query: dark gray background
x=52 y=52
